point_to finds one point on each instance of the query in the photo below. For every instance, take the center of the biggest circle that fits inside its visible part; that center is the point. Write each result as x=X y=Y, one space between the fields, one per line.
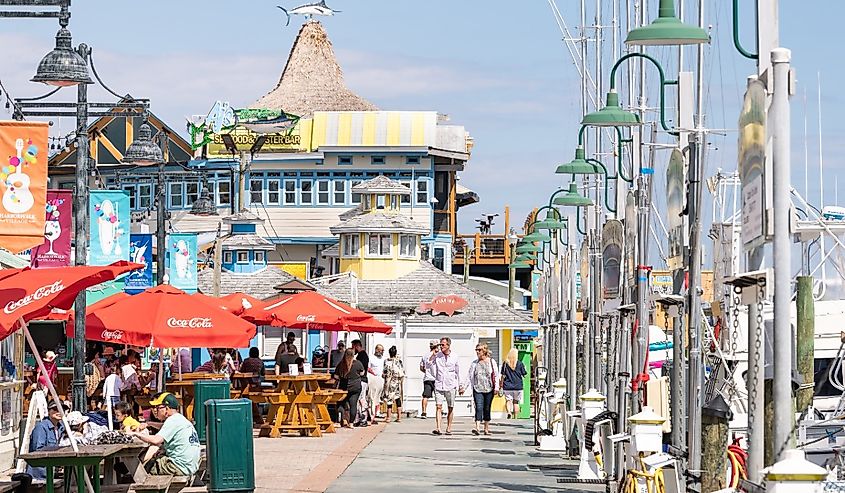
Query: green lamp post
x=537 y=236
x=551 y=222
x=527 y=248
x=519 y=264
x=572 y=198
x=667 y=30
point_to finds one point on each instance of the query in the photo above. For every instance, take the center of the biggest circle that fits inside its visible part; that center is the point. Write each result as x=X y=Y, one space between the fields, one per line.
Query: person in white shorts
x=375 y=381
x=446 y=383
x=427 y=368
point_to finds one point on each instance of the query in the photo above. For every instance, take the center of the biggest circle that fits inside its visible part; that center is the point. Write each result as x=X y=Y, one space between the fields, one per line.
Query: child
x=123 y=415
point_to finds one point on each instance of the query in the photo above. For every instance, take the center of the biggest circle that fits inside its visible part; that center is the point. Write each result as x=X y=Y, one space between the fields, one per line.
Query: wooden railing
x=482 y=249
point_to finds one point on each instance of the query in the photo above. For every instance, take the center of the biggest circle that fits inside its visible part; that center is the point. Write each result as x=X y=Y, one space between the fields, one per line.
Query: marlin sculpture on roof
x=309 y=10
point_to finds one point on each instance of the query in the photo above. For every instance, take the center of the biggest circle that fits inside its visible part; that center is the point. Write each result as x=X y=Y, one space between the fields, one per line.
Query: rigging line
x=275 y=233
x=567 y=38
x=97 y=76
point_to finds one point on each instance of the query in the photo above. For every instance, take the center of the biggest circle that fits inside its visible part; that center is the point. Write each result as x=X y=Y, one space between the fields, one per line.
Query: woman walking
x=348 y=374
x=512 y=373
x=394 y=375
x=482 y=377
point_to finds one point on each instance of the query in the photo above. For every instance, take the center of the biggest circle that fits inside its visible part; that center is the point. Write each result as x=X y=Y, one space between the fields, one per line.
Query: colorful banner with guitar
x=182 y=261
x=109 y=213
x=140 y=252
x=23 y=181
x=55 y=251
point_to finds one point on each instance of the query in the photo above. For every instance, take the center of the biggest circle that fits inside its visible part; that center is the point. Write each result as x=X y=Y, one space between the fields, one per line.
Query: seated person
x=177 y=437
x=82 y=429
x=46 y=433
x=286 y=357
x=253 y=364
x=123 y=415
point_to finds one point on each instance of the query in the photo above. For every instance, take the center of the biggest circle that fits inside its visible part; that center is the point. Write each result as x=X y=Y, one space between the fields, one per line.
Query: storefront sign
x=23 y=181
x=55 y=251
x=182 y=261
x=140 y=252
x=447 y=305
x=109 y=213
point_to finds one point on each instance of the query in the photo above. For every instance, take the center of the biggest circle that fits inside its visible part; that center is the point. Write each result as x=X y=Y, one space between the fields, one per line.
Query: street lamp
x=572 y=198
x=63 y=66
x=667 y=30
x=515 y=264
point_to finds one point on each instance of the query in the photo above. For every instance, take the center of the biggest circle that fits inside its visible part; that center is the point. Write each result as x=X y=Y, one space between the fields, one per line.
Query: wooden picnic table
x=87 y=456
x=298 y=405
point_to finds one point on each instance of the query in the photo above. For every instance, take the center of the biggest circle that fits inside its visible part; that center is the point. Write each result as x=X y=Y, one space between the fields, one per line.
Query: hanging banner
x=751 y=165
x=140 y=252
x=612 y=237
x=55 y=250
x=630 y=240
x=676 y=221
x=109 y=233
x=23 y=181
x=182 y=261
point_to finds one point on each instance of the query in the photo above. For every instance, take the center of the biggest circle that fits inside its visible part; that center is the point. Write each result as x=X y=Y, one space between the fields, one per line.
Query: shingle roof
x=382 y=184
x=379 y=222
x=246 y=240
x=422 y=285
x=260 y=284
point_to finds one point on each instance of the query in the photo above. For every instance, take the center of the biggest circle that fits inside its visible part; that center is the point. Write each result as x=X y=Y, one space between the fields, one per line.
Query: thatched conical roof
x=312 y=80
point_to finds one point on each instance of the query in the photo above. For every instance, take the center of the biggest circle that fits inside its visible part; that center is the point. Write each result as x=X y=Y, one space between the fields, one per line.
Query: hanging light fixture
x=143 y=151
x=667 y=29
x=612 y=115
x=62 y=66
x=578 y=166
x=204 y=205
x=572 y=198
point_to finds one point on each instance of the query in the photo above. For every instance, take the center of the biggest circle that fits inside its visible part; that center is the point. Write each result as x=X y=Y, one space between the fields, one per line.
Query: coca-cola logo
x=112 y=335
x=306 y=318
x=39 y=293
x=193 y=323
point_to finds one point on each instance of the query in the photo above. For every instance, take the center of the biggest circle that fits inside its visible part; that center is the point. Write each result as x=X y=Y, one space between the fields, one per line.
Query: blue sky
x=499 y=68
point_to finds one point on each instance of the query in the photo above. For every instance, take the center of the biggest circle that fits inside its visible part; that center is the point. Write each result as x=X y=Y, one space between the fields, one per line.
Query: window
x=377 y=160
x=273 y=192
x=256 y=191
x=145 y=196
x=243 y=257
x=394 y=202
x=412 y=160
x=351 y=245
x=290 y=192
x=407 y=245
x=344 y=160
x=322 y=192
x=227 y=257
x=356 y=197
x=259 y=257
x=422 y=191
x=380 y=201
x=224 y=193
x=406 y=199
x=175 y=195
x=131 y=190
x=67 y=185
x=306 y=192
x=192 y=193
x=378 y=245
x=339 y=192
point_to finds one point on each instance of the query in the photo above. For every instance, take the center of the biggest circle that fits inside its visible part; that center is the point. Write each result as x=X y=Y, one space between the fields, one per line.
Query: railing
x=481 y=249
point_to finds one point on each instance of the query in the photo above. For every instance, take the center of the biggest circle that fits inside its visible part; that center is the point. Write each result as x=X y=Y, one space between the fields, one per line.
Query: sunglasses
x=479 y=349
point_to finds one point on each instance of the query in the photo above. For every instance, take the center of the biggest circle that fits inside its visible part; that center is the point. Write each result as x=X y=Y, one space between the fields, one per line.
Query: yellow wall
x=505 y=345
x=380 y=268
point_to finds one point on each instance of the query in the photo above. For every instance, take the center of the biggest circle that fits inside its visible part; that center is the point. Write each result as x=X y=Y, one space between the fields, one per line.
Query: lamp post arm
x=552 y=198
x=737 y=44
x=663 y=83
x=606 y=183
x=620 y=140
x=578 y=224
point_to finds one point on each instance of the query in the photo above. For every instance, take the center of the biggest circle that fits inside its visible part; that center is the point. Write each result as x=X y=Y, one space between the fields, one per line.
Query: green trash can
x=526 y=349
x=203 y=391
x=231 y=458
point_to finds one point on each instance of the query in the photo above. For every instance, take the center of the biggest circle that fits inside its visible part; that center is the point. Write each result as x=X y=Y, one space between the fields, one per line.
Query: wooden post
x=714 y=450
x=768 y=417
x=806 y=328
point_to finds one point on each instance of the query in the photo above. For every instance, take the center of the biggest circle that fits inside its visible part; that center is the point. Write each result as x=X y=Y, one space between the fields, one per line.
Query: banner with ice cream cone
x=55 y=251
x=109 y=214
x=23 y=184
x=182 y=261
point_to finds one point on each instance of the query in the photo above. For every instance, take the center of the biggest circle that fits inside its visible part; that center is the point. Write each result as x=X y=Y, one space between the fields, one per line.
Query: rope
x=654 y=482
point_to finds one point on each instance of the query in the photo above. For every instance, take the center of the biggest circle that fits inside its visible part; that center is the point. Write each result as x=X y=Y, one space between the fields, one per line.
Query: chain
x=758 y=346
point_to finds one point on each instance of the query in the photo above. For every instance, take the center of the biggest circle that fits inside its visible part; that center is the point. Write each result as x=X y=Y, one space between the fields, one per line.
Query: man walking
x=446 y=383
x=427 y=367
x=364 y=401
x=376 y=382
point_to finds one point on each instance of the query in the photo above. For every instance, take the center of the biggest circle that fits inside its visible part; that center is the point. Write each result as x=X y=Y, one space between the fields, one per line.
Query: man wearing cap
x=46 y=433
x=427 y=367
x=177 y=437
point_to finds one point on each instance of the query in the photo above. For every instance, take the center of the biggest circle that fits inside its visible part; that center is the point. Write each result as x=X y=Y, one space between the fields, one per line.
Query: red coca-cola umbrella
x=30 y=293
x=311 y=310
x=165 y=316
x=234 y=303
x=92 y=308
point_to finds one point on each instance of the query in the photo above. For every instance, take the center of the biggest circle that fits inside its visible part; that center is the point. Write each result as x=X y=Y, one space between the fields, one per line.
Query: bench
x=158 y=484
x=7 y=486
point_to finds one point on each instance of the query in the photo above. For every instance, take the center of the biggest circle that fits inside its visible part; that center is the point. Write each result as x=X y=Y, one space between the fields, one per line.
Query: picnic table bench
x=297 y=405
x=87 y=456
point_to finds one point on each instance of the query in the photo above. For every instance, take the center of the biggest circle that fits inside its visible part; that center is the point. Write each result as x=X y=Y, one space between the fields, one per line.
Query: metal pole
x=695 y=383
x=781 y=164
x=638 y=363
x=242 y=165
x=466 y=263
x=80 y=237
x=161 y=214
x=679 y=416
x=572 y=342
x=756 y=388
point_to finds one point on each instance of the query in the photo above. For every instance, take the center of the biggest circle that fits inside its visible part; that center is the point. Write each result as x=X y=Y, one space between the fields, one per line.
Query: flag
x=182 y=261
x=140 y=252
x=55 y=251
x=109 y=215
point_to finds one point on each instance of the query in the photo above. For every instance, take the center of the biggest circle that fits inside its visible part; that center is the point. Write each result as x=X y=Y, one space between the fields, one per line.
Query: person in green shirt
x=177 y=438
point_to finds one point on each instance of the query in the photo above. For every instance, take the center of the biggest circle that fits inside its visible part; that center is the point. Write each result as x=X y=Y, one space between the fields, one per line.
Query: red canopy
x=311 y=310
x=234 y=303
x=92 y=308
x=168 y=317
x=31 y=293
